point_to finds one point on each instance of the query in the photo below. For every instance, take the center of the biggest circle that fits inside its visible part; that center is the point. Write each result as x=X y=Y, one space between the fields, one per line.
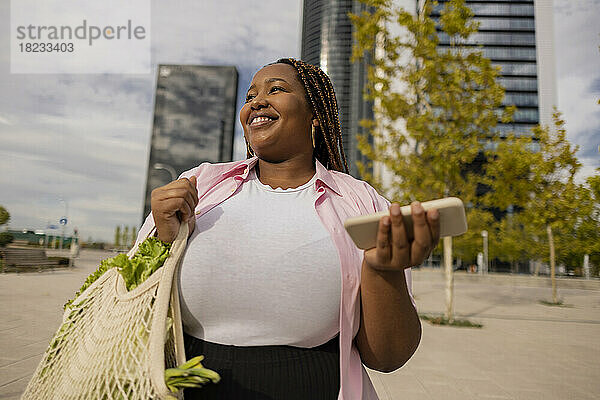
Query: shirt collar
x=324 y=176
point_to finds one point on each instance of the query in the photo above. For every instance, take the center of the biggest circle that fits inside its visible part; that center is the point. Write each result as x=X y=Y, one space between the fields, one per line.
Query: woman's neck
x=286 y=174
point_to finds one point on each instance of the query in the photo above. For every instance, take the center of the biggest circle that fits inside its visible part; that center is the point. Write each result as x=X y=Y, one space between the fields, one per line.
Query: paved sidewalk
x=525 y=350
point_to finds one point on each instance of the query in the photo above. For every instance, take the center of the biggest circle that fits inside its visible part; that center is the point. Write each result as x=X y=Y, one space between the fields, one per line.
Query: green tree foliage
x=118 y=236
x=125 y=239
x=4 y=216
x=589 y=231
x=133 y=235
x=537 y=177
x=467 y=246
x=435 y=109
x=5 y=237
x=579 y=234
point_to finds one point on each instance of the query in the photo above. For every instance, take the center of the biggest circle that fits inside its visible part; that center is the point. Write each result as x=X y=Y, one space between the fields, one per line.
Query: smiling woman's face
x=276 y=117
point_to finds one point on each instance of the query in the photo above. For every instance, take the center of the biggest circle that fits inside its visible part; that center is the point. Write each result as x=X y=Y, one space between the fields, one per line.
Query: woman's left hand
x=394 y=251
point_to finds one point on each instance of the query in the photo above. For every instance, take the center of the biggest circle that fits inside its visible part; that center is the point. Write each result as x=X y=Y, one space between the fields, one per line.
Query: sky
x=78 y=144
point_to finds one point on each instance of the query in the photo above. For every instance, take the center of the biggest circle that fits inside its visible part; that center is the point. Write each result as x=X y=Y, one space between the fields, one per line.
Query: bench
x=24 y=259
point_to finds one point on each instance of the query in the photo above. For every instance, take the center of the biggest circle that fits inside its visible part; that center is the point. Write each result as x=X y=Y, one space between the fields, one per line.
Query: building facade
x=327 y=43
x=194 y=121
x=518 y=36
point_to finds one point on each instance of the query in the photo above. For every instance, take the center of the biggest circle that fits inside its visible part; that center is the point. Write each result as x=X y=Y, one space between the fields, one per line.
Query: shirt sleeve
x=148 y=229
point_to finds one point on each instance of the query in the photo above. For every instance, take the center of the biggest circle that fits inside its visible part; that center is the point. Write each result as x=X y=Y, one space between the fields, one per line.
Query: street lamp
x=484 y=235
x=63 y=221
x=167 y=168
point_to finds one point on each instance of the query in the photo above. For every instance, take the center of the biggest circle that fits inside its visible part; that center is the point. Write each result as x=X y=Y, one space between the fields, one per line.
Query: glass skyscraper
x=517 y=35
x=508 y=34
x=194 y=120
x=327 y=43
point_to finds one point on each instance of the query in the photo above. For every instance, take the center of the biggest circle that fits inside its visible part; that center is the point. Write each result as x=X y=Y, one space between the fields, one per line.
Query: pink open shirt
x=340 y=196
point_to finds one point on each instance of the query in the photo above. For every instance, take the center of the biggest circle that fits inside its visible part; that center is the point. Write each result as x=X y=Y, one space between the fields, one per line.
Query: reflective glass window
x=517 y=129
x=494 y=9
x=526 y=115
x=496 y=38
x=509 y=53
x=521 y=83
x=492 y=23
x=501 y=9
x=522 y=68
x=502 y=53
x=521 y=99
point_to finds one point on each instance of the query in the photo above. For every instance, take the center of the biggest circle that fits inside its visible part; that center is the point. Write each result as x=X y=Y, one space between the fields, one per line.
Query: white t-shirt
x=261 y=269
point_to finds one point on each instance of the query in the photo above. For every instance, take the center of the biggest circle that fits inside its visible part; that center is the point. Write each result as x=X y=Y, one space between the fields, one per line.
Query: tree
x=508 y=174
x=5 y=237
x=471 y=243
x=117 y=236
x=536 y=175
x=436 y=108
x=590 y=228
x=125 y=240
x=133 y=235
x=579 y=234
x=4 y=216
x=553 y=201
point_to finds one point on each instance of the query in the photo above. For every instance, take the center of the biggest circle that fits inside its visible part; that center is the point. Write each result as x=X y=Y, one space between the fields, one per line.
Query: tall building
x=518 y=37
x=194 y=121
x=327 y=43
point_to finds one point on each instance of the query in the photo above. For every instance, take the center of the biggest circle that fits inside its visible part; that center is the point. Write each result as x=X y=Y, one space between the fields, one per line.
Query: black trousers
x=267 y=372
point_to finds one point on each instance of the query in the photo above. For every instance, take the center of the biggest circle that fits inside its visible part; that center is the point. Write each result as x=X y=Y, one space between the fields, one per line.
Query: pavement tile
x=13 y=390
x=448 y=392
x=482 y=387
x=18 y=370
x=23 y=352
x=530 y=395
x=525 y=351
x=398 y=382
x=512 y=381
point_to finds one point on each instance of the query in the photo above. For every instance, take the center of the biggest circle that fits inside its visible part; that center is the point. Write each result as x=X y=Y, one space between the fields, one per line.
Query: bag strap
x=163 y=297
x=177 y=322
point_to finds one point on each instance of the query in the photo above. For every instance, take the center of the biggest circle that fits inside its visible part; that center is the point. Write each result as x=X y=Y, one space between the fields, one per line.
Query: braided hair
x=321 y=98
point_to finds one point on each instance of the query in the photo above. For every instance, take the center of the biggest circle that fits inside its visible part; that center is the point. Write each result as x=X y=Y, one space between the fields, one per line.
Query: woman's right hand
x=173 y=204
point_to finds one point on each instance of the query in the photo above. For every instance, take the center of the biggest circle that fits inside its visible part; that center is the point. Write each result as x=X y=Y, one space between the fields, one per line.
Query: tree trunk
x=449 y=278
x=552 y=263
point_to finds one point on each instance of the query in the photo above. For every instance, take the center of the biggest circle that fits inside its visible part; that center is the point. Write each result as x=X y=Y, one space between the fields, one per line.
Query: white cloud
x=85 y=138
x=578 y=74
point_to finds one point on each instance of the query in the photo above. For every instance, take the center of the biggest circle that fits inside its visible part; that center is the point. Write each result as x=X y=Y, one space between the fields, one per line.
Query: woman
x=274 y=293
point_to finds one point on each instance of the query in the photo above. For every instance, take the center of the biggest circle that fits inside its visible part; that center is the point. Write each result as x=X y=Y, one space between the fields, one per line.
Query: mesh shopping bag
x=116 y=344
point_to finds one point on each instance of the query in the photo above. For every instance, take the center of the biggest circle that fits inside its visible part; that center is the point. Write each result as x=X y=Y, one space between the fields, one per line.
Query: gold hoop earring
x=312 y=134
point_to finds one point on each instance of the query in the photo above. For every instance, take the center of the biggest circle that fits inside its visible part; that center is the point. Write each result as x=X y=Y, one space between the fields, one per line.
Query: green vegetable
x=190 y=374
x=150 y=256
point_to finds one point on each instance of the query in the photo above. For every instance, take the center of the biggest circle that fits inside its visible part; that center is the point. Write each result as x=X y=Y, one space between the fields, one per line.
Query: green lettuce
x=150 y=256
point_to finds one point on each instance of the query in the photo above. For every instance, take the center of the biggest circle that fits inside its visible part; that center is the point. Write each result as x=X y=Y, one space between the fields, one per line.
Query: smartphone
x=453 y=222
